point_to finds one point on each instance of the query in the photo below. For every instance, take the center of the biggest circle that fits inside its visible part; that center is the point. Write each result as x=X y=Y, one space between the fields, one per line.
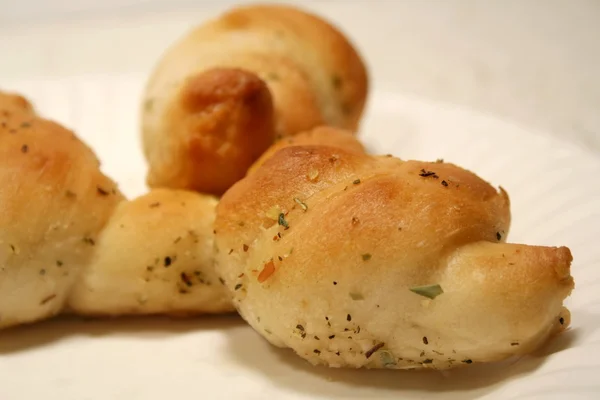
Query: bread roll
x=155 y=256
x=208 y=112
x=360 y=261
x=54 y=203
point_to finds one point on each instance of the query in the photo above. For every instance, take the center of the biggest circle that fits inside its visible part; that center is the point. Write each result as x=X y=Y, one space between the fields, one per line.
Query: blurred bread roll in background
x=211 y=132
x=221 y=95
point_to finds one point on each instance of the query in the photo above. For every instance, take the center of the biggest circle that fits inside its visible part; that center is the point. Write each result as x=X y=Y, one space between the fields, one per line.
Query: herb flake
x=186 y=279
x=426 y=174
x=373 y=349
x=281 y=221
x=429 y=291
x=356 y=296
x=301 y=203
x=102 y=191
x=387 y=359
x=267 y=271
x=47 y=299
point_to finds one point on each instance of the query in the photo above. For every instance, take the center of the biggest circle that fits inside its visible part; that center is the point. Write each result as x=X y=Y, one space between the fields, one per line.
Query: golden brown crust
x=322 y=135
x=221 y=123
x=341 y=248
x=313 y=73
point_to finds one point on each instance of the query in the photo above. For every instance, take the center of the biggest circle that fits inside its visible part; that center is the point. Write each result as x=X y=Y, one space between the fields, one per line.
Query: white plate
x=553 y=183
